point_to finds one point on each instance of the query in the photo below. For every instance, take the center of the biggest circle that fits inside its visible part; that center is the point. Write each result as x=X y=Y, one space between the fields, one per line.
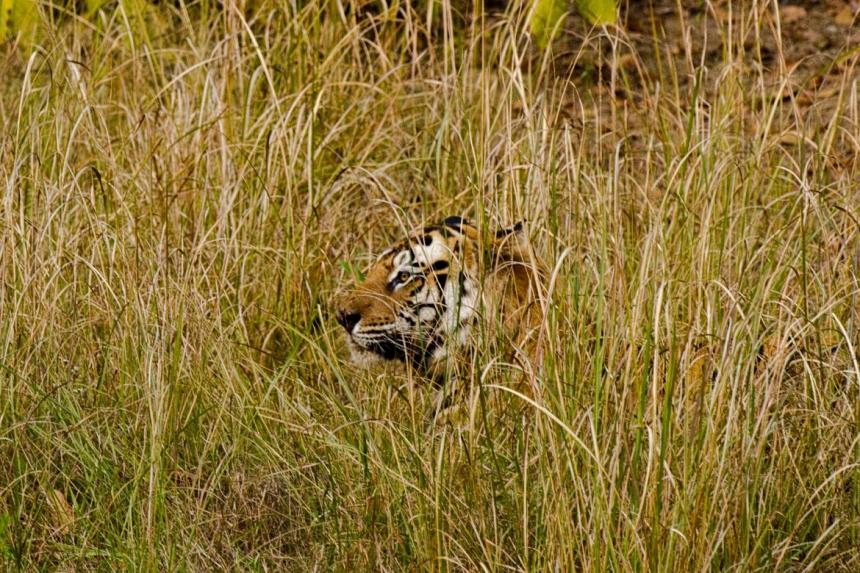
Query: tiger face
x=423 y=295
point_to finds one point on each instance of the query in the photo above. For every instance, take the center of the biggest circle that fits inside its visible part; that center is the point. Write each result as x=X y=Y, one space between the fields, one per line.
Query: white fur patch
x=426 y=314
x=436 y=251
x=360 y=355
x=401 y=259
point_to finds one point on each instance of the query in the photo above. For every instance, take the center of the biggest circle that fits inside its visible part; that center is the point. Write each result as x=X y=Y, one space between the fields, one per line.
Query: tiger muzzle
x=347 y=319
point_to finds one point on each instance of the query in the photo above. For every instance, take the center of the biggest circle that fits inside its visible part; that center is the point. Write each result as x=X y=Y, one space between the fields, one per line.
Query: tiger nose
x=347 y=319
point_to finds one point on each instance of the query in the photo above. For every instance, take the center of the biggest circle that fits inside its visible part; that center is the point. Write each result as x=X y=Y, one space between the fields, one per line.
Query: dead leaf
x=627 y=61
x=790 y=14
x=827 y=93
x=845 y=17
x=62 y=514
x=792 y=138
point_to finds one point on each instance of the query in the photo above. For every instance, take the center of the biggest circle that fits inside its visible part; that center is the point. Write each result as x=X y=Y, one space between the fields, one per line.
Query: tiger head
x=423 y=295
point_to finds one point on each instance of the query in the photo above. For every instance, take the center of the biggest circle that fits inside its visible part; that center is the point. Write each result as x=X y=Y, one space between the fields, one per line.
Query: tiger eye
x=403 y=277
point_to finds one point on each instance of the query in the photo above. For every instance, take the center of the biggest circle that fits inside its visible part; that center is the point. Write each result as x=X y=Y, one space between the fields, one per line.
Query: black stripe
x=505 y=232
x=442 y=280
x=455 y=222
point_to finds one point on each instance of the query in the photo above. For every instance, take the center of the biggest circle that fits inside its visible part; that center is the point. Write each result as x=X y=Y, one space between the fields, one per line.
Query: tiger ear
x=463 y=226
x=514 y=230
x=511 y=243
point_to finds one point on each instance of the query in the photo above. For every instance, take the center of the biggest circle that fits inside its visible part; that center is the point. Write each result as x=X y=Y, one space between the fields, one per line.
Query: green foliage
x=142 y=18
x=19 y=19
x=598 y=12
x=94 y=6
x=548 y=16
x=547 y=20
x=352 y=271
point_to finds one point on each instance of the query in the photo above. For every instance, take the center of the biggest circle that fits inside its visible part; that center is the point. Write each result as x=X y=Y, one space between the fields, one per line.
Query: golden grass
x=182 y=193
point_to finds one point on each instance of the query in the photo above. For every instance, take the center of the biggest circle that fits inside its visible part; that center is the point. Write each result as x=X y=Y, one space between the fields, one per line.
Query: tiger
x=422 y=299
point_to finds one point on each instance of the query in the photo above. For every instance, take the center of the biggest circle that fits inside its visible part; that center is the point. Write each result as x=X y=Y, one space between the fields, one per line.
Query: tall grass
x=183 y=191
